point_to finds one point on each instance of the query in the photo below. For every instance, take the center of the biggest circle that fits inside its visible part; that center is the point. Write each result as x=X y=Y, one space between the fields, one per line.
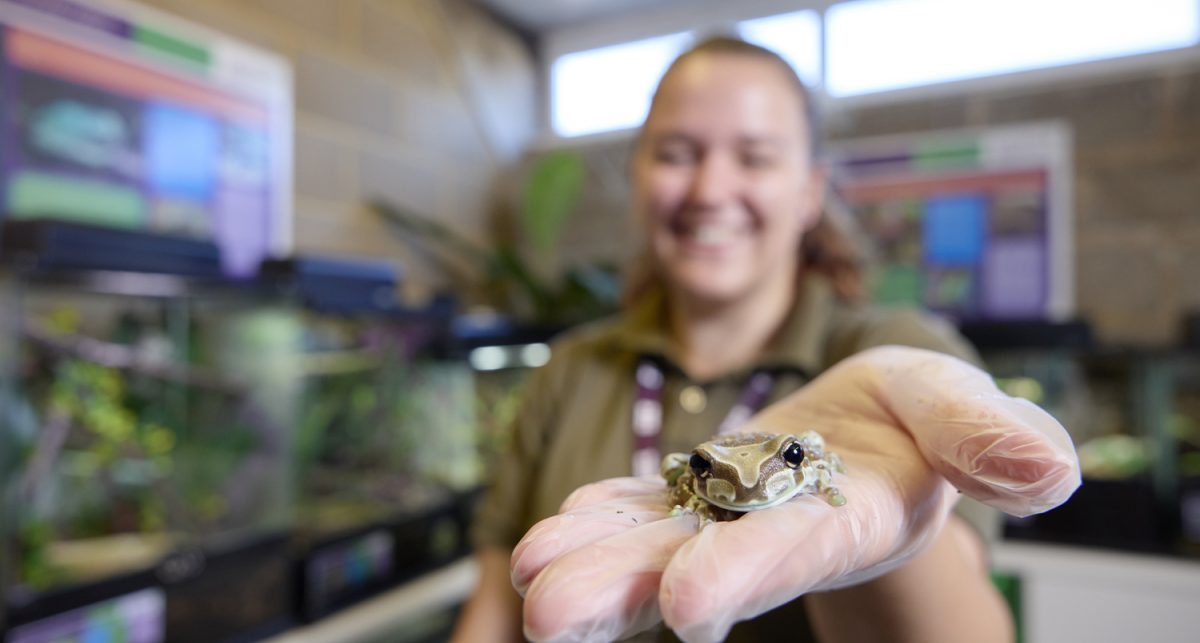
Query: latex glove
x=911 y=426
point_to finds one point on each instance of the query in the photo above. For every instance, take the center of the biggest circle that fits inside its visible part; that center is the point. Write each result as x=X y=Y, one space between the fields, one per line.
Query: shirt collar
x=798 y=345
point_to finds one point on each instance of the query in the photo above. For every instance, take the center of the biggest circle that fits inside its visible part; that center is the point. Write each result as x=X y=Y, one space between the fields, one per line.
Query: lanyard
x=647 y=421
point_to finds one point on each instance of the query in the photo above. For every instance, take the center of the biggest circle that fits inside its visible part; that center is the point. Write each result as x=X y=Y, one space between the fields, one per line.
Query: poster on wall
x=117 y=115
x=973 y=224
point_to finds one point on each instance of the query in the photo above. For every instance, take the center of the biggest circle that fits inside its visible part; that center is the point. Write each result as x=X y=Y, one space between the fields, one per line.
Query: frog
x=728 y=476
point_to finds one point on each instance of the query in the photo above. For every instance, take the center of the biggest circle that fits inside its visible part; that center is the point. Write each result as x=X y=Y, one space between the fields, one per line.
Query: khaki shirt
x=575 y=424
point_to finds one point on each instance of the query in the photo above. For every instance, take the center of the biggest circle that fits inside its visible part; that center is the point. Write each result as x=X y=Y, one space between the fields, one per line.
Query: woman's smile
x=711 y=238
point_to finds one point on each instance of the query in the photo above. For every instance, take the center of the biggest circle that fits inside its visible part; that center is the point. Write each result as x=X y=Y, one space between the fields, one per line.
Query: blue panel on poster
x=953 y=230
x=181 y=147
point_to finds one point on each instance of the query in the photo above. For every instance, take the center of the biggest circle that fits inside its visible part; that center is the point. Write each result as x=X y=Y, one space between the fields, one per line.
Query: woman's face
x=724 y=186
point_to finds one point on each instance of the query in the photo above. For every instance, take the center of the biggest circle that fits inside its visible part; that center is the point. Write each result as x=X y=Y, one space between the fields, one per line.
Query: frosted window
x=610 y=88
x=795 y=36
x=878 y=45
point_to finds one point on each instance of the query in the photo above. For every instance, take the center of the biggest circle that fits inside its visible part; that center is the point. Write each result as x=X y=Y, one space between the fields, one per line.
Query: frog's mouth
x=752 y=506
x=777 y=490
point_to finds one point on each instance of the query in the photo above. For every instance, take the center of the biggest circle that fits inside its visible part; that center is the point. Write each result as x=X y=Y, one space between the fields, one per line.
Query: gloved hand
x=910 y=425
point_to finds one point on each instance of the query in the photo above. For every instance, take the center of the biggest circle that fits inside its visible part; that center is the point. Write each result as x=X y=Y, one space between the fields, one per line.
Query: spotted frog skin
x=723 y=478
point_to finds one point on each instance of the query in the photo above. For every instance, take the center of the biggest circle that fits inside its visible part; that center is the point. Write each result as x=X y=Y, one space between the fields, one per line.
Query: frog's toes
x=833 y=496
x=836 y=462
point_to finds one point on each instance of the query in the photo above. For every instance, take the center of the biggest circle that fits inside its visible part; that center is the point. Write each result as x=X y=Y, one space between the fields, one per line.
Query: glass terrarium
x=386 y=437
x=1118 y=405
x=503 y=356
x=1184 y=426
x=9 y=458
x=146 y=433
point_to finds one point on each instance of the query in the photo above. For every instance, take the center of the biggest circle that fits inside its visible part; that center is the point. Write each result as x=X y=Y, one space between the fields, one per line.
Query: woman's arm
x=912 y=426
x=944 y=594
x=493 y=613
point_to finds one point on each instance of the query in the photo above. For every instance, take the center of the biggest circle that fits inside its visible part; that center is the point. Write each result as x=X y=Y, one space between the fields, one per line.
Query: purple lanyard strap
x=647 y=421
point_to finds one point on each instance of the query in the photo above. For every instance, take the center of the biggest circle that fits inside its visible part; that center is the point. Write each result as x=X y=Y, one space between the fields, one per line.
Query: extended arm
x=911 y=426
x=493 y=613
x=939 y=596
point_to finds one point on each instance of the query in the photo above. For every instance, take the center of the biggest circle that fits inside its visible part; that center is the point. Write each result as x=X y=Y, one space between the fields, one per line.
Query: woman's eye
x=675 y=155
x=757 y=160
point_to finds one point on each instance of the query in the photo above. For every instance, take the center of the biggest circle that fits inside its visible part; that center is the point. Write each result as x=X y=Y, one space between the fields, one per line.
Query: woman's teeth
x=713 y=233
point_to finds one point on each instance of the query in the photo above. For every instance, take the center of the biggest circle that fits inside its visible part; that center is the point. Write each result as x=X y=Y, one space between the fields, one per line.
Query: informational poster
x=972 y=224
x=138 y=617
x=120 y=116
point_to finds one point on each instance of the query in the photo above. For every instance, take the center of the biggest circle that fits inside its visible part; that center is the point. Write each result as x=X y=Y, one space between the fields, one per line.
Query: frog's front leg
x=673 y=465
x=822 y=472
x=675 y=471
x=819 y=467
x=682 y=499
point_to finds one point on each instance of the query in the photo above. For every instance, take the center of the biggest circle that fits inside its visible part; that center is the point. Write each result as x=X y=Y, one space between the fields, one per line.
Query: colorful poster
x=139 y=617
x=135 y=127
x=974 y=225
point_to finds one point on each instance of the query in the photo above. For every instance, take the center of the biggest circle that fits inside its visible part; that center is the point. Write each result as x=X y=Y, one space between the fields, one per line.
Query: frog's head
x=747 y=471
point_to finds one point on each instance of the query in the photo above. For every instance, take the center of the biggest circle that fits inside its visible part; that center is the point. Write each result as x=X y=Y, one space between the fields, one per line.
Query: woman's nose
x=715 y=181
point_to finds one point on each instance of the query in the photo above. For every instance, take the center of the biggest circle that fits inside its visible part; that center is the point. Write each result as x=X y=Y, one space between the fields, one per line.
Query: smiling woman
x=724 y=180
x=738 y=308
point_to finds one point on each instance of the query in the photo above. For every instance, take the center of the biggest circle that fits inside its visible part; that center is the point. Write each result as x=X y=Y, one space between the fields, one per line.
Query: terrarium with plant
x=135 y=426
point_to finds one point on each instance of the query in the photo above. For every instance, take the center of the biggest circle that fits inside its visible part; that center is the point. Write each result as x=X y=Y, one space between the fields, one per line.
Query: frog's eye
x=793 y=455
x=700 y=466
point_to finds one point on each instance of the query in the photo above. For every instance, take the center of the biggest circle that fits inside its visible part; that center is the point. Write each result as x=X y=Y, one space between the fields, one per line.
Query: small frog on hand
x=725 y=477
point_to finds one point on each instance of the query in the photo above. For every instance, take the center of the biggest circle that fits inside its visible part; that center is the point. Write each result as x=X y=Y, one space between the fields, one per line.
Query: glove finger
x=1011 y=470
x=605 y=490
x=562 y=533
x=1001 y=450
x=736 y=570
x=605 y=590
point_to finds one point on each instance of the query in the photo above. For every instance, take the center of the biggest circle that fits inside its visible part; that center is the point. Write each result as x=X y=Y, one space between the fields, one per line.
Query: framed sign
x=118 y=115
x=974 y=224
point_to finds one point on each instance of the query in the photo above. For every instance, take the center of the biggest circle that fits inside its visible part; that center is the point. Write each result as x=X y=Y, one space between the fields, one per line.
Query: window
x=878 y=45
x=861 y=47
x=609 y=88
x=795 y=36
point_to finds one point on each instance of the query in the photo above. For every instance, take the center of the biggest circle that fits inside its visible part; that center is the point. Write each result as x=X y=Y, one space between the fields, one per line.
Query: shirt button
x=692 y=399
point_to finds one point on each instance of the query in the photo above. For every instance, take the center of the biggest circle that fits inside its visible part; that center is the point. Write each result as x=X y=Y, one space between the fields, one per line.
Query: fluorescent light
x=535 y=355
x=494 y=358
x=488 y=358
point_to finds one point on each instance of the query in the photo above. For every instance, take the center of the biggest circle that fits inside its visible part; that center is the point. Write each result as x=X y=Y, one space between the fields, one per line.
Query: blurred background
x=272 y=273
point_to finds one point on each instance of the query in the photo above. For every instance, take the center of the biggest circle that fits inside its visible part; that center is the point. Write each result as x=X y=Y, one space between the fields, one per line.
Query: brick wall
x=421 y=102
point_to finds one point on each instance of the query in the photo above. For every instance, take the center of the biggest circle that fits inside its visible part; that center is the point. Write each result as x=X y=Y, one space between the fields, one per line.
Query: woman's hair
x=833 y=246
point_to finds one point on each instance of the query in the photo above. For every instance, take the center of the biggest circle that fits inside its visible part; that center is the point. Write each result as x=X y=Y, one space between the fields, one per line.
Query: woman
x=736 y=311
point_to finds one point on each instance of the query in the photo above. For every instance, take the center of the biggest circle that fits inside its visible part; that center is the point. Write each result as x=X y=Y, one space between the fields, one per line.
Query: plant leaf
x=551 y=195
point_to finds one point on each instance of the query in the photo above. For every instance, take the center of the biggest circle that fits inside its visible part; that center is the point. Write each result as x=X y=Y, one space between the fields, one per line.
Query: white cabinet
x=1073 y=594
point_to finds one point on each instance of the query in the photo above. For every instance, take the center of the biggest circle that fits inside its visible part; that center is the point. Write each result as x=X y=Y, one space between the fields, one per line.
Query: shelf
x=384 y=616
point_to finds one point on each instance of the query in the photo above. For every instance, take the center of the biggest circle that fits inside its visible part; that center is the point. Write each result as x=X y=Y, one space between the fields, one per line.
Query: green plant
x=500 y=272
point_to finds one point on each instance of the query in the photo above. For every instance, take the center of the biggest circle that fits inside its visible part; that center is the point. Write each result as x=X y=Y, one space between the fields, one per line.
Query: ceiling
x=535 y=16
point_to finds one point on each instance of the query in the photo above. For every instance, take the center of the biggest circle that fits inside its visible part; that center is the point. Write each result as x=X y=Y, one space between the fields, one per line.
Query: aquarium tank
x=1130 y=412
x=147 y=429
x=140 y=456
x=386 y=438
